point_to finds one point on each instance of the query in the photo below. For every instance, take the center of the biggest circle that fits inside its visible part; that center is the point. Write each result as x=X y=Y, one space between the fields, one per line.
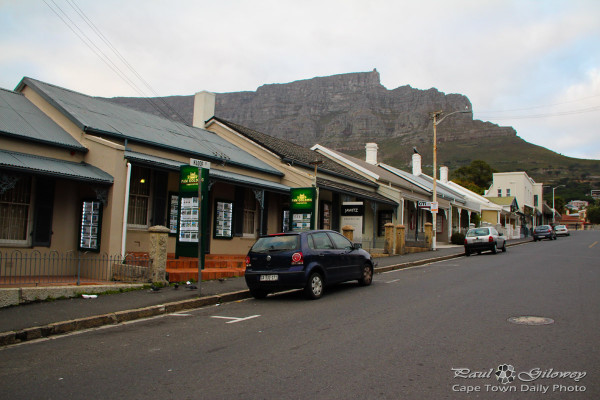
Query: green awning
x=215 y=174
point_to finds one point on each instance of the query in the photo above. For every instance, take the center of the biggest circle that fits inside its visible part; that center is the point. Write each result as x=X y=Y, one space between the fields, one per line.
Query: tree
x=593 y=214
x=478 y=174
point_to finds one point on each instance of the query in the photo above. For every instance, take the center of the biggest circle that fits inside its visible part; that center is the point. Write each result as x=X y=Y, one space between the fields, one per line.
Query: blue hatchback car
x=305 y=260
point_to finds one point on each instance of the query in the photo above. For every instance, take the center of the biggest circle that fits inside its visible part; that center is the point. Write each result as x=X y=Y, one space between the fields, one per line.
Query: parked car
x=543 y=232
x=484 y=238
x=561 y=230
x=308 y=260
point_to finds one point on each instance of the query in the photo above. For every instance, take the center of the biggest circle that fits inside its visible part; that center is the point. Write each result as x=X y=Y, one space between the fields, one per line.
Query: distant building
x=577 y=204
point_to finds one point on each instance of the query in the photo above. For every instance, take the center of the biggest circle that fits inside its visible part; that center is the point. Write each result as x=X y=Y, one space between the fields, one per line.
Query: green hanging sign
x=302 y=208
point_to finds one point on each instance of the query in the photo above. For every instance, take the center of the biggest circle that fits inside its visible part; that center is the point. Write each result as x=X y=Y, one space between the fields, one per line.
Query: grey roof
x=20 y=119
x=353 y=191
x=98 y=116
x=425 y=181
x=214 y=173
x=46 y=166
x=384 y=174
x=295 y=154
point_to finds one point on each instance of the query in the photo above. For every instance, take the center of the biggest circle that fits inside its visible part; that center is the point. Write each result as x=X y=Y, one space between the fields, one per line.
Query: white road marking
x=235 y=319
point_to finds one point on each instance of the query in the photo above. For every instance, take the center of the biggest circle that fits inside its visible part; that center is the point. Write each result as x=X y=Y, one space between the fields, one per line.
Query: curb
x=59 y=328
x=118 y=317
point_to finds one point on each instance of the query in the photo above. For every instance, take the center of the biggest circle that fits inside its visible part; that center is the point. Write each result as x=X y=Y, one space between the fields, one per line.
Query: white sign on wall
x=352 y=214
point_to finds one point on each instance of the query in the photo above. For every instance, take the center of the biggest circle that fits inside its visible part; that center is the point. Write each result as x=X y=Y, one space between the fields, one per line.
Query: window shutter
x=159 y=207
x=42 y=214
x=238 y=212
x=265 y=214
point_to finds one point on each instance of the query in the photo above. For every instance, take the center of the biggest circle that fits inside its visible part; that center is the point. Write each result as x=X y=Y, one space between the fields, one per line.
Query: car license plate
x=269 y=278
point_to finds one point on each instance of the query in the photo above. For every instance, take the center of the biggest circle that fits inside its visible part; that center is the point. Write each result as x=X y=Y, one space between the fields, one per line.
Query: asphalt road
x=429 y=332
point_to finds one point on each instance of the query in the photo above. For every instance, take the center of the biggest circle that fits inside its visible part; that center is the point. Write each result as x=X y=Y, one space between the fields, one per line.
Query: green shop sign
x=188 y=179
x=302 y=208
x=303 y=198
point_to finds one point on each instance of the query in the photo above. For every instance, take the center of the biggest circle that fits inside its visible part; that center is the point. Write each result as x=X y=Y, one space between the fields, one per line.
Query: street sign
x=428 y=205
x=199 y=163
x=424 y=204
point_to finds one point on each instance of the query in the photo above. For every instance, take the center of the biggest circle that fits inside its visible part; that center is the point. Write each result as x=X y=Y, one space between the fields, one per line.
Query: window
x=249 y=212
x=499 y=192
x=507 y=192
x=139 y=196
x=340 y=242
x=15 y=210
x=385 y=217
x=535 y=200
x=319 y=241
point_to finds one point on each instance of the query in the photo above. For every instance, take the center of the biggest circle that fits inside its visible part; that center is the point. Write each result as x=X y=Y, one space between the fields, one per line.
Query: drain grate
x=528 y=320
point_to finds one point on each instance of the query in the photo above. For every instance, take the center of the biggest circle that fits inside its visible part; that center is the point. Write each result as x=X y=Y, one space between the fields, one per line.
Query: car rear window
x=270 y=244
x=478 y=232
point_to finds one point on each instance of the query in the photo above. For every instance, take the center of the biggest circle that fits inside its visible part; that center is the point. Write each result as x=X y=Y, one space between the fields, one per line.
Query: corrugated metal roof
x=216 y=174
x=351 y=190
x=19 y=118
x=96 y=115
x=53 y=167
x=426 y=182
x=293 y=153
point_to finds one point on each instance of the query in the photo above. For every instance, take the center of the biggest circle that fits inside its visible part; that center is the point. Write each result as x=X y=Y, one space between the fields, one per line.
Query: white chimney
x=371 y=149
x=416 y=164
x=204 y=108
x=444 y=174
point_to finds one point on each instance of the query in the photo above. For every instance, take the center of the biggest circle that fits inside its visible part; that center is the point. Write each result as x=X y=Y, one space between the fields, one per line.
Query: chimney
x=416 y=164
x=204 y=108
x=371 y=149
x=444 y=174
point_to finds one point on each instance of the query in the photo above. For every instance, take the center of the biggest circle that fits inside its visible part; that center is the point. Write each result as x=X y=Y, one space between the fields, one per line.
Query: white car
x=561 y=230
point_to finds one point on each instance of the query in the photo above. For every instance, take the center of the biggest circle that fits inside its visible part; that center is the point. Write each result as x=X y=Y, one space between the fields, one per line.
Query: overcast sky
x=533 y=65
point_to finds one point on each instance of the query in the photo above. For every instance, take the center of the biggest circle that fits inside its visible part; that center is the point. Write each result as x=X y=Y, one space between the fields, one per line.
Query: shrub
x=457 y=238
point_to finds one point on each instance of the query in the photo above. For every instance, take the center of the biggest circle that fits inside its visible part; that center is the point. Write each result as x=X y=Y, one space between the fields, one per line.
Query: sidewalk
x=36 y=320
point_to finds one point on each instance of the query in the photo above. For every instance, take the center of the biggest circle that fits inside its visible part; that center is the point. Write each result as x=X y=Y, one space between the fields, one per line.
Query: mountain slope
x=348 y=110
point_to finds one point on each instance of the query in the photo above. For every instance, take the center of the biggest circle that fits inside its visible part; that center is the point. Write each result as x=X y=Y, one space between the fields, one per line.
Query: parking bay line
x=235 y=319
x=593 y=244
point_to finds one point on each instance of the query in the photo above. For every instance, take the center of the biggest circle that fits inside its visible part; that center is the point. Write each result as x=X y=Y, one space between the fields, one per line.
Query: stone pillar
x=348 y=231
x=429 y=235
x=400 y=239
x=158 y=253
x=389 y=239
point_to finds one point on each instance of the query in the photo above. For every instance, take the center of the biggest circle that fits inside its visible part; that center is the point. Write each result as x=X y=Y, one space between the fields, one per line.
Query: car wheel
x=367 y=275
x=258 y=294
x=314 y=287
x=467 y=253
x=494 y=249
x=504 y=247
x=479 y=252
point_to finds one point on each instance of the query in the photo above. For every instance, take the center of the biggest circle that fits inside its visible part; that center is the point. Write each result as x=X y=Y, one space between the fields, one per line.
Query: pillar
x=389 y=238
x=429 y=235
x=400 y=239
x=158 y=253
x=348 y=231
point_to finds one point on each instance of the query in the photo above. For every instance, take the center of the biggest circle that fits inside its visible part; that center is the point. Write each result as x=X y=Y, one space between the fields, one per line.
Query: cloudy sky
x=530 y=64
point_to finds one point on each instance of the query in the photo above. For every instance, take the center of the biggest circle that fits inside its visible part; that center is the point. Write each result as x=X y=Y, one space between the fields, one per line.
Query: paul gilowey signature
x=525 y=376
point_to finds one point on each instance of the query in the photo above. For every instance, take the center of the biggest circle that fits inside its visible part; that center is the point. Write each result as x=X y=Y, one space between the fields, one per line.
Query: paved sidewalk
x=35 y=320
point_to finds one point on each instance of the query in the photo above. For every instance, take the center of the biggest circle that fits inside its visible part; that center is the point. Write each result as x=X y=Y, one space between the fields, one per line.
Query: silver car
x=561 y=230
x=484 y=238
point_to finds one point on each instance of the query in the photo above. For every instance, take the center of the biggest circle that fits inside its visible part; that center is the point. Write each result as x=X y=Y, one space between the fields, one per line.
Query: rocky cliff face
x=341 y=111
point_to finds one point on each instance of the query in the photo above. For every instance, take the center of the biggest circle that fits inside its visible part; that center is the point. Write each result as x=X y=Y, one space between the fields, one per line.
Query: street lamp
x=436 y=122
x=553 y=210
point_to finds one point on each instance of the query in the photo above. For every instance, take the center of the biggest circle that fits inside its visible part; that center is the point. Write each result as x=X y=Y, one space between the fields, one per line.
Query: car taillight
x=491 y=239
x=465 y=240
x=248 y=264
x=297 y=258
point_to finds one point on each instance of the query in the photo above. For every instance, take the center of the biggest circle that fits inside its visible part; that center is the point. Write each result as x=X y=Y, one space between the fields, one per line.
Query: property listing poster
x=188 y=221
